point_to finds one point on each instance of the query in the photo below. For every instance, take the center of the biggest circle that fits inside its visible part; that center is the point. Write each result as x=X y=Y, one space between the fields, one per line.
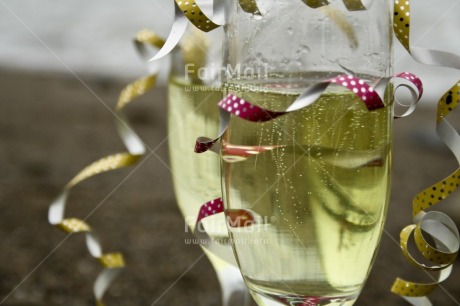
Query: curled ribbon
x=112 y=262
x=185 y=11
x=221 y=249
x=190 y=11
x=438 y=226
x=370 y=96
x=432 y=57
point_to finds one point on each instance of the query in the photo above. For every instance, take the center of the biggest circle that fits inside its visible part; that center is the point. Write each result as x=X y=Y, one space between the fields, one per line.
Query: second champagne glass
x=192 y=111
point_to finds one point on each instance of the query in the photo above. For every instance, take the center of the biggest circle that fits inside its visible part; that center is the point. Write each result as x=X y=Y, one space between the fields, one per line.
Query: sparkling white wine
x=318 y=197
x=193 y=112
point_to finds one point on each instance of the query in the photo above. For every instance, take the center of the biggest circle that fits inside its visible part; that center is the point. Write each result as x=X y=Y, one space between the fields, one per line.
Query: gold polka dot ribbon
x=111 y=262
x=437 y=226
x=435 y=234
x=189 y=11
x=401 y=22
x=401 y=25
x=196 y=16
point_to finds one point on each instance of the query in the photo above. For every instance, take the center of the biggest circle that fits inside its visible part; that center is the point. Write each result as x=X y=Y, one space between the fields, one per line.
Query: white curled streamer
x=177 y=32
x=181 y=22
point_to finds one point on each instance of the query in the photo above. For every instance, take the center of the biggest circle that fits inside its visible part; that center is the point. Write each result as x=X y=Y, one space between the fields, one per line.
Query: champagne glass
x=192 y=111
x=316 y=196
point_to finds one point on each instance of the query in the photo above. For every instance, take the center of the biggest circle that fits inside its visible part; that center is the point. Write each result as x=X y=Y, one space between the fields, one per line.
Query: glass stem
x=234 y=291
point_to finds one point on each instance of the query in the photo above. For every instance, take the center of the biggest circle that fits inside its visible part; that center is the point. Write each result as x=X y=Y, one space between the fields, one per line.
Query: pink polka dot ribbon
x=210 y=208
x=237 y=217
x=413 y=79
x=365 y=92
x=370 y=96
x=220 y=248
x=245 y=110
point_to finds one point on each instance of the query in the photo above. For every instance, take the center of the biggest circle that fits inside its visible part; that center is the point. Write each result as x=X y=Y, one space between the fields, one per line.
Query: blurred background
x=62 y=66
